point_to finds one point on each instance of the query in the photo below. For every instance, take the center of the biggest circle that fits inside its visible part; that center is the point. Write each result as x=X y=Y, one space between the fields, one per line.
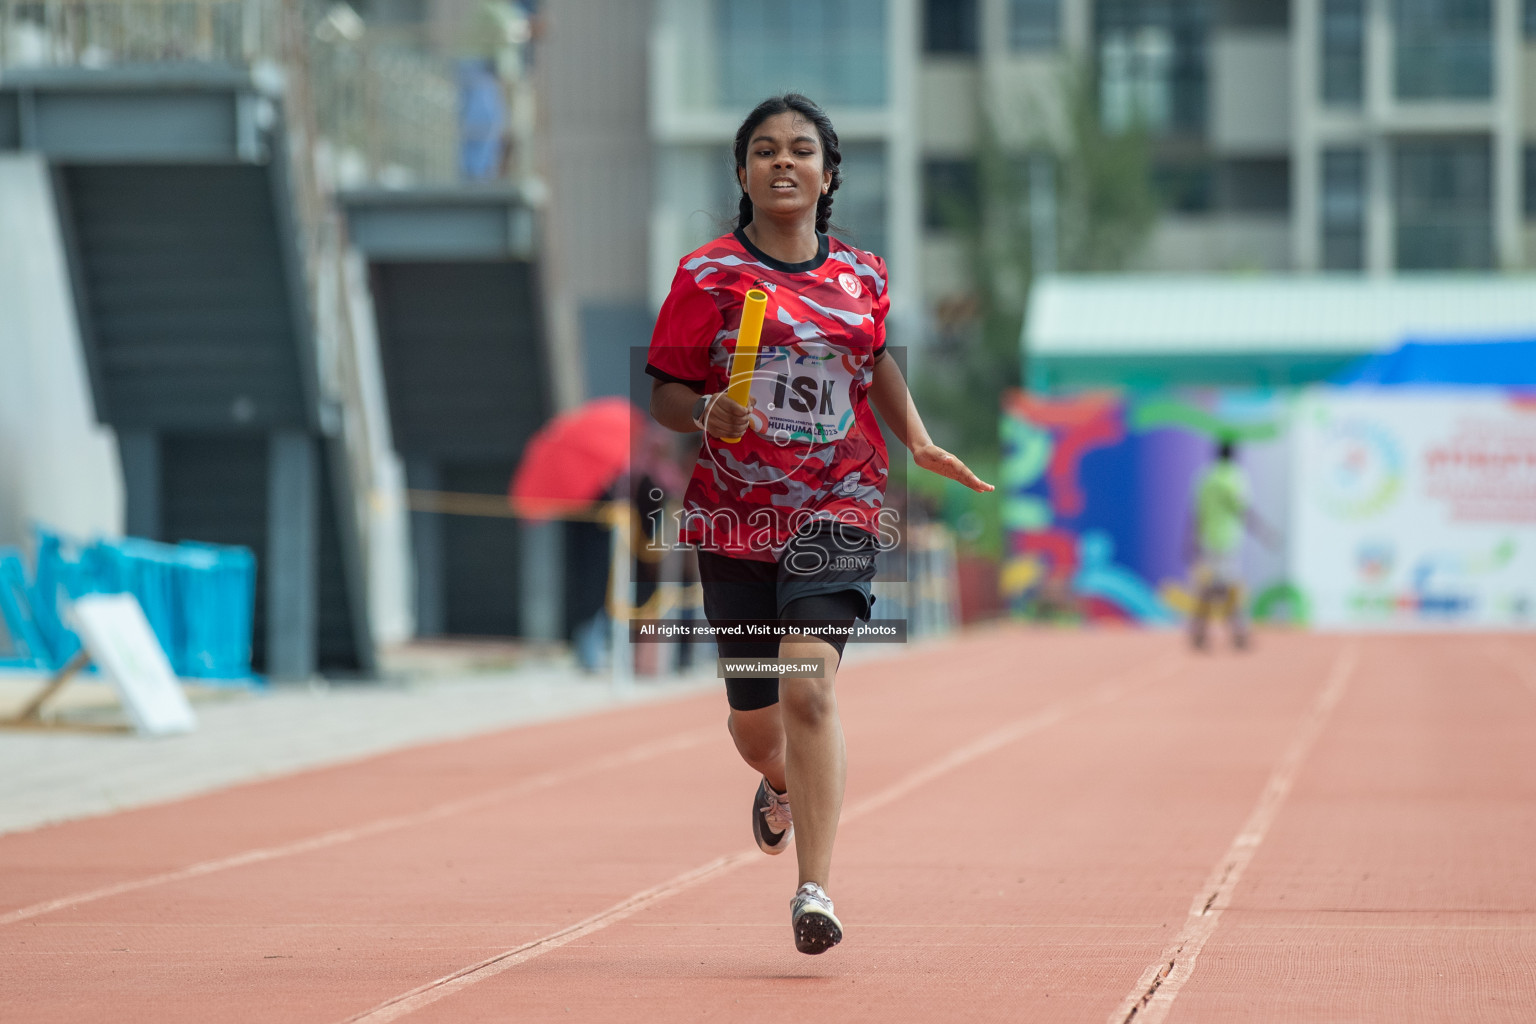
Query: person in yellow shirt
x=1221 y=520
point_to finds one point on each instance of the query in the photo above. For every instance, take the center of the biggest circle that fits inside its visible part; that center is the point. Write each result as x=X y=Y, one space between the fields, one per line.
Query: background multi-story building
x=1282 y=135
x=1412 y=138
x=1373 y=135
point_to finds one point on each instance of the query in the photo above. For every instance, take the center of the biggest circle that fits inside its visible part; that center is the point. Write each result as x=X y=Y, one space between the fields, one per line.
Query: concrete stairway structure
x=464 y=353
x=174 y=191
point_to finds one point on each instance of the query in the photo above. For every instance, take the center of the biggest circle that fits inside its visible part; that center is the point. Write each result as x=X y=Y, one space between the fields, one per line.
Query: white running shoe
x=772 y=825
x=817 y=929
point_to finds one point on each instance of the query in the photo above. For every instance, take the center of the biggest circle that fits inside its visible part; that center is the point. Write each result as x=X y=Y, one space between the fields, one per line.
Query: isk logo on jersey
x=804 y=393
x=850 y=284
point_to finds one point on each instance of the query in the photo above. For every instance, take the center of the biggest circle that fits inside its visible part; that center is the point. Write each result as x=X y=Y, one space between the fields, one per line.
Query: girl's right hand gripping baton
x=744 y=361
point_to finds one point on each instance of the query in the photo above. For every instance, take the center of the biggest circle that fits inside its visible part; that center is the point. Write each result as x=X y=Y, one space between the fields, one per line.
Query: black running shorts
x=823 y=577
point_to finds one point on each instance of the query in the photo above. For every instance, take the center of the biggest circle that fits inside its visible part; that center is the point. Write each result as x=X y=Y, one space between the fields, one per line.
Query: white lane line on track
x=442 y=988
x=336 y=837
x=1159 y=985
x=424 y=995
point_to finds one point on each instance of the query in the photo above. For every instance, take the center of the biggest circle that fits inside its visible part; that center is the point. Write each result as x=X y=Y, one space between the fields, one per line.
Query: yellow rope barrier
x=665 y=598
x=663 y=601
x=495 y=506
x=608 y=513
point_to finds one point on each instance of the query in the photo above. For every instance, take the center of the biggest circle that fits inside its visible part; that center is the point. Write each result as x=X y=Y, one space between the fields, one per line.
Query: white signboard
x=1415 y=508
x=125 y=650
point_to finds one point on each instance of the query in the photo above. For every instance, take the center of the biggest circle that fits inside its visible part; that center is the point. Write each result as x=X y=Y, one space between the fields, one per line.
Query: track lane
x=1400 y=884
x=1034 y=879
x=556 y=856
x=450 y=985
x=989 y=900
x=1153 y=997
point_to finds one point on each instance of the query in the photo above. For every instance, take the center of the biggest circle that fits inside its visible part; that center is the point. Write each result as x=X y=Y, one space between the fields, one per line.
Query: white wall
x=947 y=97
x=595 y=156
x=58 y=466
x=391 y=578
x=1250 y=93
x=1243 y=243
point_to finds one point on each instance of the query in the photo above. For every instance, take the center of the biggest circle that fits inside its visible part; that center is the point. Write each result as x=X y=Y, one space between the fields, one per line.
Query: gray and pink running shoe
x=772 y=825
x=817 y=928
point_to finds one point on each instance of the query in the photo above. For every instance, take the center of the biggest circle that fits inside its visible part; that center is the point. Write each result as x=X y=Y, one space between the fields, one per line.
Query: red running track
x=1052 y=826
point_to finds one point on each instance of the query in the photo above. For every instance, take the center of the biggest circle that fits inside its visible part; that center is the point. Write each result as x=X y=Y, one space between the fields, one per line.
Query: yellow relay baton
x=744 y=361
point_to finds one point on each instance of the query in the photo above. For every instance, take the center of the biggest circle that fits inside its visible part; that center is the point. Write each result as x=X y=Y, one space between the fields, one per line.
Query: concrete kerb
x=248 y=734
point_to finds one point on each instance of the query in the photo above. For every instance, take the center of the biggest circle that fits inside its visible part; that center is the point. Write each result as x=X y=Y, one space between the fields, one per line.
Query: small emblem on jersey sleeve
x=850 y=284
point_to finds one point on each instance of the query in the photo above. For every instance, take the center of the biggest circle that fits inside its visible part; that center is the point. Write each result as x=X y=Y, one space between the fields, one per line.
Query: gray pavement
x=48 y=777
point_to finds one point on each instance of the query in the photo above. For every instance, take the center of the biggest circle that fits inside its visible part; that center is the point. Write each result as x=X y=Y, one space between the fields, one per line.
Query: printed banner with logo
x=1415 y=509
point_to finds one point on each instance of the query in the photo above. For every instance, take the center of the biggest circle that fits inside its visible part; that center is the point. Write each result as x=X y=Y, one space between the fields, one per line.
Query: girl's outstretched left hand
x=936 y=460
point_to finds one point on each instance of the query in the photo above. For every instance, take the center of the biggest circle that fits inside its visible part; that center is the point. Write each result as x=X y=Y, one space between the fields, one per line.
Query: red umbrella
x=575 y=457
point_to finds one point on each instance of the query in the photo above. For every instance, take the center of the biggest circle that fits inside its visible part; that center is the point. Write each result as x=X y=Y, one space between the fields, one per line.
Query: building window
x=832 y=50
x=393 y=12
x=1152 y=64
x=1343 y=209
x=950 y=196
x=949 y=26
x=1444 y=49
x=1343 y=28
x=1530 y=182
x=1259 y=185
x=859 y=215
x=1185 y=187
x=1443 y=200
x=1034 y=24
x=1254 y=14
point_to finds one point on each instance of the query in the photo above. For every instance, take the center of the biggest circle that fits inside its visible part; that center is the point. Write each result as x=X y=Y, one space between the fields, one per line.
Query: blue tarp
x=1508 y=363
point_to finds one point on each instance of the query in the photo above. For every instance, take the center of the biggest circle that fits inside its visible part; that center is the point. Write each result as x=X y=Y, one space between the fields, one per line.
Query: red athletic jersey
x=815 y=450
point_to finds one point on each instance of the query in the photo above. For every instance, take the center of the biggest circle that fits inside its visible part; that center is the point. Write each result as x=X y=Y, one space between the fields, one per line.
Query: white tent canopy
x=1091 y=315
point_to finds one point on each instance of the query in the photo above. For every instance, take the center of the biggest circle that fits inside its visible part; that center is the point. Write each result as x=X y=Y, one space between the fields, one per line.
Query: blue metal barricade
x=22 y=645
x=199 y=598
x=55 y=582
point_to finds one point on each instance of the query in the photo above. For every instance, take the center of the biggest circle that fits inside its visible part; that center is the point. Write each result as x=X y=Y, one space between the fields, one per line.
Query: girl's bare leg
x=815 y=762
x=759 y=737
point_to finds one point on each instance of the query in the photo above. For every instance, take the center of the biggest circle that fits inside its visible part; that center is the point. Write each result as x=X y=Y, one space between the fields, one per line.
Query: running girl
x=786 y=519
